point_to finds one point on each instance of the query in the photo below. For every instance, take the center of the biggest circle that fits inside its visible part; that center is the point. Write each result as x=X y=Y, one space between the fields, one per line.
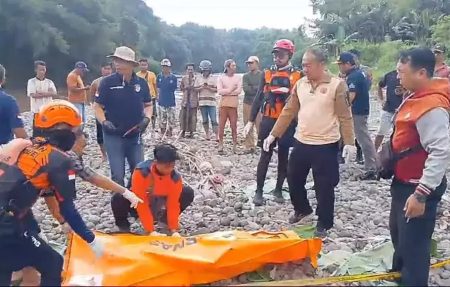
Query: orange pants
x=225 y=114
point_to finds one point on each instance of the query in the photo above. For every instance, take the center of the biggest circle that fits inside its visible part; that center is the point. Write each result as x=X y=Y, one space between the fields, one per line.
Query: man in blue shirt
x=359 y=97
x=10 y=122
x=124 y=109
x=167 y=84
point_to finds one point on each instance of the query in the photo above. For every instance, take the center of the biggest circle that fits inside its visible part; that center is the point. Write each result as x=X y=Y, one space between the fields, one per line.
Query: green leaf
x=259 y=276
x=434 y=249
x=305 y=231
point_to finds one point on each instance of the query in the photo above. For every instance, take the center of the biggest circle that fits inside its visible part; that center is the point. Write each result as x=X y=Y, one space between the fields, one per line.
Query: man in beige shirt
x=320 y=102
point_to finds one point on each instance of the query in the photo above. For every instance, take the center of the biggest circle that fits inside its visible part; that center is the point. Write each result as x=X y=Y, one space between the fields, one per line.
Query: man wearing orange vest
x=162 y=190
x=421 y=130
x=274 y=90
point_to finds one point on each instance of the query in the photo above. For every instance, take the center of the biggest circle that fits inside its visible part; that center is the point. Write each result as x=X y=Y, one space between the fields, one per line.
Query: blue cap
x=81 y=65
x=346 y=58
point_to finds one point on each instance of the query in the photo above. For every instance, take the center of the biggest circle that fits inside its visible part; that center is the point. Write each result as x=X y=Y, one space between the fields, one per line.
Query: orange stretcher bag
x=133 y=260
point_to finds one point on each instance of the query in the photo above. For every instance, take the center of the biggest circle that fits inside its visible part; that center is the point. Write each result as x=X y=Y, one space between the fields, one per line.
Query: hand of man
x=248 y=127
x=65 y=227
x=97 y=247
x=414 y=208
x=156 y=233
x=109 y=126
x=349 y=153
x=132 y=198
x=142 y=126
x=268 y=142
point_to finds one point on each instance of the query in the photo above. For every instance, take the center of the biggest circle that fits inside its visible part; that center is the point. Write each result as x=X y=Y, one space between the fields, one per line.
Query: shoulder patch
x=351 y=86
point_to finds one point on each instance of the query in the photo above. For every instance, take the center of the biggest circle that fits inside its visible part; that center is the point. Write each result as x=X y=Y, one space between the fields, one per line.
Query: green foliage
x=441 y=31
x=381 y=57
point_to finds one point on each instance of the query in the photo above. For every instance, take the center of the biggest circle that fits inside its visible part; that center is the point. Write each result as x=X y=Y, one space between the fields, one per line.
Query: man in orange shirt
x=76 y=88
x=161 y=187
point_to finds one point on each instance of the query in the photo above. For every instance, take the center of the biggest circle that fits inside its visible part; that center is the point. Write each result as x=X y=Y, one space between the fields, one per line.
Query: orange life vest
x=410 y=168
x=278 y=85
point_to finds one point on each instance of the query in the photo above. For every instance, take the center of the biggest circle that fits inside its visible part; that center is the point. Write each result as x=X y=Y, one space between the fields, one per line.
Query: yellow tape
x=340 y=279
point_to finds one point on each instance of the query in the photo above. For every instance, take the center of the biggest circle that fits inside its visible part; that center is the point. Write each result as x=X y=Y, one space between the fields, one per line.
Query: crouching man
x=161 y=187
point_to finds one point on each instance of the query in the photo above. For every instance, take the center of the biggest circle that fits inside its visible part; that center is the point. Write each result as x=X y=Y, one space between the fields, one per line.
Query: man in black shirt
x=394 y=97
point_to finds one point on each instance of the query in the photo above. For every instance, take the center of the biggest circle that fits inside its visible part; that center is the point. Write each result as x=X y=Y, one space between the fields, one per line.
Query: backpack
x=11 y=179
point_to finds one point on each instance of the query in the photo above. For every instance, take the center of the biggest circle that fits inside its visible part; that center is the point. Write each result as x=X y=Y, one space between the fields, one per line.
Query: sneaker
x=320 y=232
x=369 y=175
x=297 y=217
x=258 y=200
x=278 y=194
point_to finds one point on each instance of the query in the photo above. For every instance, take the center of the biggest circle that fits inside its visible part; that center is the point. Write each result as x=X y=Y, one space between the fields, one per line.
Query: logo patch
x=351 y=86
x=137 y=88
x=71 y=175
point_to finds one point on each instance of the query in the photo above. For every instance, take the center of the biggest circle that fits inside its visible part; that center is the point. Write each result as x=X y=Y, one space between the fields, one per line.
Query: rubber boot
x=258 y=200
x=278 y=195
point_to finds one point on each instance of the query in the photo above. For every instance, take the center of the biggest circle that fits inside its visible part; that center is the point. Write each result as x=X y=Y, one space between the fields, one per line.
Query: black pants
x=412 y=240
x=322 y=159
x=121 y=207
x=99 y=132
x=30 y=251
x=263 y=166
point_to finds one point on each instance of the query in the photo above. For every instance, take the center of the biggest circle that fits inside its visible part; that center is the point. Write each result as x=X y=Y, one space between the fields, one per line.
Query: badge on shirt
x=137 y=88
x=71 y=175
x=351 y=86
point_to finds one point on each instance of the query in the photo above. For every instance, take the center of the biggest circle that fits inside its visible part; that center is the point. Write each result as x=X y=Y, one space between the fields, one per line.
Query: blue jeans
x=82 y=109
x=120 y=149
x=209 y=113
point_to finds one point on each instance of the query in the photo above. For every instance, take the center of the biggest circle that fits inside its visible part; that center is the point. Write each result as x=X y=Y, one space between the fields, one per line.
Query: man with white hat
x=124 y=108
x=250 y=84
x=167 y=84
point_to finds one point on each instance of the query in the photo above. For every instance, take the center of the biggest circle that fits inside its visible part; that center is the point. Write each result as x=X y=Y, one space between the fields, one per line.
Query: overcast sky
x=249 y=14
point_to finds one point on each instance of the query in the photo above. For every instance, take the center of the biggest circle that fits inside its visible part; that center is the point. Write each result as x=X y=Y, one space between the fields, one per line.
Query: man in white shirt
x=40 y=89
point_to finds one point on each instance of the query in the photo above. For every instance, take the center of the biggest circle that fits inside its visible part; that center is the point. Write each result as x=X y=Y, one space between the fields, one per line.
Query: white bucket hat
x=125 y=54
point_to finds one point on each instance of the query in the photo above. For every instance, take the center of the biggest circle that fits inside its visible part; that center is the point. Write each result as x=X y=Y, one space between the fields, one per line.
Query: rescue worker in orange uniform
x=270 y=100
x=421 y=143
x=41 y=165
x=161 y=188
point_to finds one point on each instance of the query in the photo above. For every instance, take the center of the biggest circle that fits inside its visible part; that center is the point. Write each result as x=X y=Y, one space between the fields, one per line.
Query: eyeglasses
x=249 y=63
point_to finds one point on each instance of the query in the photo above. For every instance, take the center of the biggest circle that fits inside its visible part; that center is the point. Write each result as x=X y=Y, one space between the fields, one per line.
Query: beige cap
x=125 y=54
x=252 y=59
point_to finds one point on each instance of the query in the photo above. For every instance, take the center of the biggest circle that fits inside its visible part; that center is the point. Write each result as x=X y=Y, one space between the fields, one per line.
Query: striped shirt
x=205 y=96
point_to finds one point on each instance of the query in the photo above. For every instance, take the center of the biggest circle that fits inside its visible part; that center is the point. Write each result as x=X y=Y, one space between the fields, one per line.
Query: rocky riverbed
x=361 y=212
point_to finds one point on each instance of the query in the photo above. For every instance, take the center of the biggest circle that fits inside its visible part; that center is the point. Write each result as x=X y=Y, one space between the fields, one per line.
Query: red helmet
x=284 y=44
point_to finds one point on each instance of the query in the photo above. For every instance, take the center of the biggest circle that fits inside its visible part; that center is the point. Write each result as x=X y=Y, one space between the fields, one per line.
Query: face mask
x=62 y=139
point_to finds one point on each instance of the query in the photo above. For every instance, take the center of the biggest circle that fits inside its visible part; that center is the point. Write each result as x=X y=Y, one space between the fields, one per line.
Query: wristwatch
x=420 y=197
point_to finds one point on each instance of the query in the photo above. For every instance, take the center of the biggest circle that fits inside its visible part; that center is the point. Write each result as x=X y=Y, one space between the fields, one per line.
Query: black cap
x=166 y=153
x=346 y=58
x=81 y=65
x=439 y=48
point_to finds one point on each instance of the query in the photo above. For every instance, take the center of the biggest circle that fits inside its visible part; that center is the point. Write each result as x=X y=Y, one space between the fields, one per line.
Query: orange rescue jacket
x=146 y=182
x=410 y=168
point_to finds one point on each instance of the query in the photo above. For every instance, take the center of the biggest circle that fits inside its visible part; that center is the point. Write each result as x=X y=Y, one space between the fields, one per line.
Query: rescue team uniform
x=422 y=120
x=275 y=88
x=39 y=167
x=155 y=190
x=316 y=142
x=150 y=78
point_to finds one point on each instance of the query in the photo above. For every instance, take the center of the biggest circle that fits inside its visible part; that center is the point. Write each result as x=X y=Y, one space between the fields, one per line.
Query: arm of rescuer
x=258 y=101
x=140 y=185
x=289 y=112
x=342 y=108
x=61 y=177
x=434 y=137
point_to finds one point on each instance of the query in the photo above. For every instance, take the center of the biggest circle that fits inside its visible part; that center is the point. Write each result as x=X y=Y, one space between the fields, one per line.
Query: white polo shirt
x=37 y=86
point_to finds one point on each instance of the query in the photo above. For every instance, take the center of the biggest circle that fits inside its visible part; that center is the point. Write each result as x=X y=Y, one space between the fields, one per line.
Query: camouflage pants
x=166 y=117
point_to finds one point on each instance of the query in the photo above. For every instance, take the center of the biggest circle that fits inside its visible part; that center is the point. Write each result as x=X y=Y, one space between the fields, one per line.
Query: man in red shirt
x=161 y=188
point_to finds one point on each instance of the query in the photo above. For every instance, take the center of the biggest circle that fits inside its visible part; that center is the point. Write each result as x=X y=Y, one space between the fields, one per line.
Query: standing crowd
x=311 y=118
